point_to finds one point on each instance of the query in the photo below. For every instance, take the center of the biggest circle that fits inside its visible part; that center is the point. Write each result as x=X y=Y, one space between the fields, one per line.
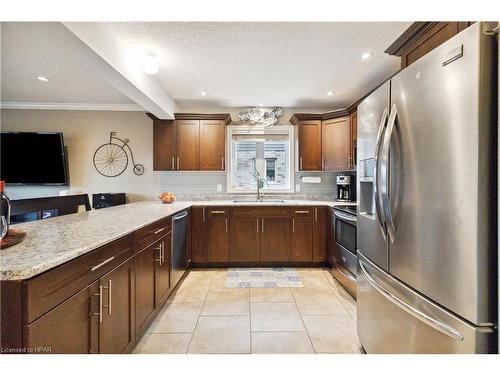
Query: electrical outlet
x=219 y=188
x=297 y=188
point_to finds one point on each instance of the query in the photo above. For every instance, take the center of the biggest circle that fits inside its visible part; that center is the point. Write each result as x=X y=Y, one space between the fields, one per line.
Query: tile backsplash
x=203 y=185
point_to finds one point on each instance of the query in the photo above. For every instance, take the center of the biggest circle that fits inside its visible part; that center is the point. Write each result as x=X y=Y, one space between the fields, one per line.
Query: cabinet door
x=199 y=235
x=145 y=280
x=354 y=140
x=188 y=145
x=164 y=145
x=71 y=327
x=212 y=145
x=163 y=270
x=336 y=144
x=275 y=239
x=244 y=239
x=117 y=330
x=310 y=145
x=302 y=239
x=319 y=234
x=218 y=238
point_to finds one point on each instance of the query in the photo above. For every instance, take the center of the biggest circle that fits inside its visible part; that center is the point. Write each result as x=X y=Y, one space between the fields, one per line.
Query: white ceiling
x=237 y=64
x=283 y=64
x=32 y=49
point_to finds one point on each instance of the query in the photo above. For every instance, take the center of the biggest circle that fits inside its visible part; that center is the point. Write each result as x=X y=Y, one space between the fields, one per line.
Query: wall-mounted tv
x=33 y=158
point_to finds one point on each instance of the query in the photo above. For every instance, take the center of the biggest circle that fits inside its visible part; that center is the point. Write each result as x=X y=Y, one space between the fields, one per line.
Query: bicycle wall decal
x=111 y=159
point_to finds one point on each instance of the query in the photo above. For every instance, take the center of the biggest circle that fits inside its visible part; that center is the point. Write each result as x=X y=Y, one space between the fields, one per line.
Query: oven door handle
x=350 y=219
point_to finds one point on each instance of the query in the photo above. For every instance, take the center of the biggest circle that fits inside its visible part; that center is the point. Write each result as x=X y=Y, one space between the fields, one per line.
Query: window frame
x=259 y=130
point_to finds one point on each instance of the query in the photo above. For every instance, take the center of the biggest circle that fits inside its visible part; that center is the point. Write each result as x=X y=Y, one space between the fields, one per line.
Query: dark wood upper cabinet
x=212 y=145
x=117 y=330
x=336 y=146
x=422 y=37
x=164 y=145
x=76 y=318
x=309 y=139
x=319 y=234
x=244 y=239
x=191 y=142
x=275 y=239
x=218 y=234
x=199 y=252
x=188 y=145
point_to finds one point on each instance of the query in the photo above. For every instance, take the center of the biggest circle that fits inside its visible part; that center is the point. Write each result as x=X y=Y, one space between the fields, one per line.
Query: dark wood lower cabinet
x=72 y=327
x=275 y=239
x=319 y=234
x=199 y=251
x=162 y=281
x=302 y=239
x=244 y=240
x=117 y=329
x=218 y=238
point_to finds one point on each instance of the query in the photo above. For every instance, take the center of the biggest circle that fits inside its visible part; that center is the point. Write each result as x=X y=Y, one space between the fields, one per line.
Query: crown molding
x=72 y=106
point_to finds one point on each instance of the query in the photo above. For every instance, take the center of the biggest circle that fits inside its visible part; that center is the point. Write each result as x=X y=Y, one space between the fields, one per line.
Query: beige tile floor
x=202 y=316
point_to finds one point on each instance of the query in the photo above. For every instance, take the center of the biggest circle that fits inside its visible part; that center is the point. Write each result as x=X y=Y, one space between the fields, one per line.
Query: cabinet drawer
x=47 y=290
x=151 y=233
x=260 y=212
x=217 y=211
x=303 y=211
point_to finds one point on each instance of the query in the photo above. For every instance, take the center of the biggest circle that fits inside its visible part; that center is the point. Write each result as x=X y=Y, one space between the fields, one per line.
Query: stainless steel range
x=344 y=258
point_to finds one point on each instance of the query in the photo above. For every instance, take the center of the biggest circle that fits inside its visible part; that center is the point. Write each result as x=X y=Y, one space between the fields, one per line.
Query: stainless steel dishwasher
x=179 y=246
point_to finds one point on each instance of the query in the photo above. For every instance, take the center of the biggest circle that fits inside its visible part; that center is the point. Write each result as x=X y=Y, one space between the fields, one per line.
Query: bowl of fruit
x=167 y=197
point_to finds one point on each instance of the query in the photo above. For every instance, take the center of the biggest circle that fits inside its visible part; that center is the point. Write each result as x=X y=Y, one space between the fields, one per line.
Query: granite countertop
x=52 y=242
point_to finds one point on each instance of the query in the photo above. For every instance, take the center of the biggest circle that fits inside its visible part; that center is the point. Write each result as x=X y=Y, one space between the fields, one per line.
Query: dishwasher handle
x=182 y=216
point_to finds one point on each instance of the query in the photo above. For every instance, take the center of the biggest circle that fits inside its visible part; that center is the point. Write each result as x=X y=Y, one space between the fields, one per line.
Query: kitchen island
x=103 y=275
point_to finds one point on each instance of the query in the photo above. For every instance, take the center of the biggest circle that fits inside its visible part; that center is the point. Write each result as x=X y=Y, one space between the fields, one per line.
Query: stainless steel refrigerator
x=426 y=231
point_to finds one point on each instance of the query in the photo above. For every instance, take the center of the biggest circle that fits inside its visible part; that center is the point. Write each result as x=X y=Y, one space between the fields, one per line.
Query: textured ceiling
x=285 y=64
x=32 y=49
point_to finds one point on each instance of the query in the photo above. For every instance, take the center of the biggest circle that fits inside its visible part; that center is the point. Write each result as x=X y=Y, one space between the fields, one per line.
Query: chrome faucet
x=260 y=181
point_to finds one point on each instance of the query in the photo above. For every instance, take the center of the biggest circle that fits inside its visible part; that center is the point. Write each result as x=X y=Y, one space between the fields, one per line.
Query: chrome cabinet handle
x=302 y=212
x=222 y=163
x=389 y=218
x=323 y=163
x=301 y=163
x=257 y=225
x=203 y=210
x=436 y=324
x=162 y=245
x=226 y=225
x=315 y=214
x=160 y=253
x=376 y=190
x=262 y=225
x=158 y=231
x=99 y=314
x=178 y=163
x=218 y=212
x=173 y=163
x=101 y=264
x=293 y=225
x=108 y=288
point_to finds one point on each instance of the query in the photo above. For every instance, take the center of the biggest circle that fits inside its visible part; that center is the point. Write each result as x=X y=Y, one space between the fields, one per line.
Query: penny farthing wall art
x=111 y=159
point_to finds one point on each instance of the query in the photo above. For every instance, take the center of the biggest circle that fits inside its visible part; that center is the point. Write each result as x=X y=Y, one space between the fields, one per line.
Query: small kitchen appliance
x=345 y=188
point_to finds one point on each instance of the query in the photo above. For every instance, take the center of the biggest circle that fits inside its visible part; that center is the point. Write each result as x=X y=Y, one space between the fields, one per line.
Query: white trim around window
x=287 y=132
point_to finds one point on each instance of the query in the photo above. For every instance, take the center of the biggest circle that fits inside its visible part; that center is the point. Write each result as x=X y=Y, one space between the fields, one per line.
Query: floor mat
x=263 y=278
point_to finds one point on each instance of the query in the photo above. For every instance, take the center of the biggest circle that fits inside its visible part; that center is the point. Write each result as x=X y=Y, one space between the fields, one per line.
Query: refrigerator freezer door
x=371 y=124
x=392 y=318
x=443 y=223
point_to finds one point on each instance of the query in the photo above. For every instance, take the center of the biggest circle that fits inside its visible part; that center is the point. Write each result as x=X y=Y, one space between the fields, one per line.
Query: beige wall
x=84 y=132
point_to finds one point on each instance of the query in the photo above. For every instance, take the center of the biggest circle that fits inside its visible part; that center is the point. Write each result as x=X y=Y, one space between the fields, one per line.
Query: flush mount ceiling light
x=203 y=93
x=42 y=78
x=365 y=55
x=259 y=116
x=261 y=104
x=329 y=93
x=149 y=63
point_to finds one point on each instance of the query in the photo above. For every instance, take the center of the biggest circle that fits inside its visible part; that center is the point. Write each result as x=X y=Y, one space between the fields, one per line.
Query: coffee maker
x=345 y=188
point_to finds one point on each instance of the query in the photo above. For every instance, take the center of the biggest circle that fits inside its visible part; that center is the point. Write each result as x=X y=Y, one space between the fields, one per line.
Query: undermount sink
x=260 y=201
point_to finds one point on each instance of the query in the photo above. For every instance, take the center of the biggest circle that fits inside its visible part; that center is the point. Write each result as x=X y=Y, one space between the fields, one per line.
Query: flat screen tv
x=33 y=158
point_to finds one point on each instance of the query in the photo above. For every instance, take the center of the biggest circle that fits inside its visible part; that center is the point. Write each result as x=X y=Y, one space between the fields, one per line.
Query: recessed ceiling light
x=42 y=78
x=203 y=93
x=149 y=63
x=366 y=55
x=329 y=93
x=261 y=104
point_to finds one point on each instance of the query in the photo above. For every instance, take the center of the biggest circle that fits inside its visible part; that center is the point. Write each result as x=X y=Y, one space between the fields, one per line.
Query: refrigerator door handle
x=436 y=324
x=378 y=203
x=389 y=217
